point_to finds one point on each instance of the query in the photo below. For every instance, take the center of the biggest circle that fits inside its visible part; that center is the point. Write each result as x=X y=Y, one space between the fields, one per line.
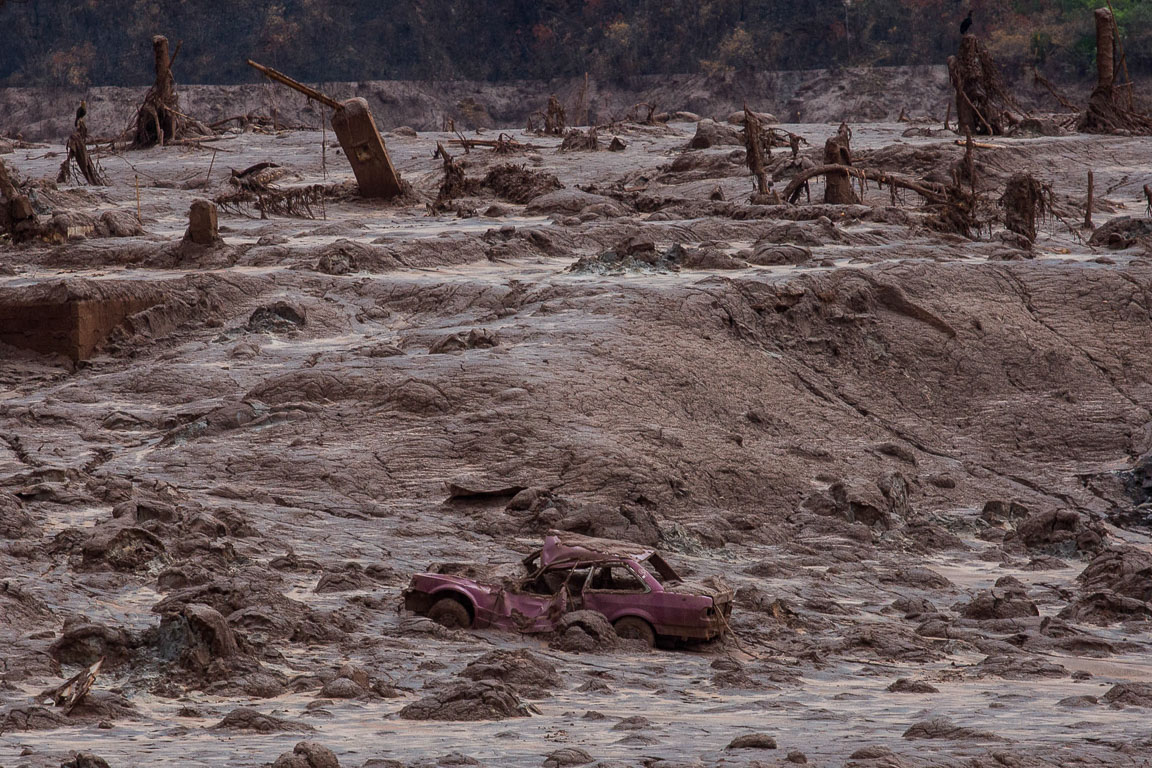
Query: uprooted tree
x=983 y=104
x=78 y=154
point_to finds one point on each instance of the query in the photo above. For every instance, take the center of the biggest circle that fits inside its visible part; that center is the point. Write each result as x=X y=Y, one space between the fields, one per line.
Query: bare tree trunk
x=838 y=184
x=159 y=119
x=1105 y=48
x=755 y=148
x=1104 y=114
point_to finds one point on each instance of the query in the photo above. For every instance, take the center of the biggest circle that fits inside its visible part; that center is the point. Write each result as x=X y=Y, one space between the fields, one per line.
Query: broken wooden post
x=755 y=150
x=358 y=136
x=203 y=228
x=838 y=184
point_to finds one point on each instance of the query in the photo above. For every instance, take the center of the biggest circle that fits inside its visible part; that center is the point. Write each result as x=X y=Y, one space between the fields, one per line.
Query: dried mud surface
x=919 y=459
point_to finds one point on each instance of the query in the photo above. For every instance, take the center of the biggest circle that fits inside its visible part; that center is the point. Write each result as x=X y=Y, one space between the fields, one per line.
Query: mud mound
x=585 y=632
x=525 y=672
x=248 y=719
x=473 y=700
x=516 y=184
x=307 y=754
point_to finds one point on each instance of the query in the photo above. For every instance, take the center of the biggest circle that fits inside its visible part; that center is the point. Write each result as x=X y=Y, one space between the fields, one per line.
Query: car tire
x=448 y=612
x=635 y=628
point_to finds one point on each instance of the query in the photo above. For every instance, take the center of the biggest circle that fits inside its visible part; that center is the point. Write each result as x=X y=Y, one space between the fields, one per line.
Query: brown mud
x=916 y=456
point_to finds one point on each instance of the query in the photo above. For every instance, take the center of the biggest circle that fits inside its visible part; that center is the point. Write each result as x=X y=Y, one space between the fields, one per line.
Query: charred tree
x=838 y=183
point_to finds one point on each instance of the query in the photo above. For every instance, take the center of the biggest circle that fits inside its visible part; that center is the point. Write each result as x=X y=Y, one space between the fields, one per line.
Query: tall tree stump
x=838 y=184
x=158 y=119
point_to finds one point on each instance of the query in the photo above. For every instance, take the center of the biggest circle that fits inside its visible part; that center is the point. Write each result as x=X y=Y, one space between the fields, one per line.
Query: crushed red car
x=631 y=584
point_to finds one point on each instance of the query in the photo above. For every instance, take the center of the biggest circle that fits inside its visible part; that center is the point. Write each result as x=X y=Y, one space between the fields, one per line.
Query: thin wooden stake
x=1088 y=205
x=139 y=218
x=209 y=177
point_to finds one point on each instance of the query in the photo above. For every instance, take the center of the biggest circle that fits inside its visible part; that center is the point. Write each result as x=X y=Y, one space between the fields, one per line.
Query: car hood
x=713 y=587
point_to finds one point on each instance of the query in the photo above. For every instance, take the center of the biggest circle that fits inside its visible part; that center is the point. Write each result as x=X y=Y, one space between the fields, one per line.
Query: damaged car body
x=630 y=584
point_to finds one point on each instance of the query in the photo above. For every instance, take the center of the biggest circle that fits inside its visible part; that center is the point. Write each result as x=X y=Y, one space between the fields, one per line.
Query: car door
x=615 y=590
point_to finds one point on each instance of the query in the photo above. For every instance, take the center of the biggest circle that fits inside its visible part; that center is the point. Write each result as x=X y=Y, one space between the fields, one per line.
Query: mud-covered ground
x=916 y=456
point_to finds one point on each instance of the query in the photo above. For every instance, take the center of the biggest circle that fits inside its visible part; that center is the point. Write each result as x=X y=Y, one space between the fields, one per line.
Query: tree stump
x=158 y=119
x=838 y=184
x=1104 y=114
x=1023 y=202
x=203 y=226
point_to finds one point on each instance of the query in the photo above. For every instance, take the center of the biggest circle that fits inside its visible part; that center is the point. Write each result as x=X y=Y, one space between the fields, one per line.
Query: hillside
x=80 y=42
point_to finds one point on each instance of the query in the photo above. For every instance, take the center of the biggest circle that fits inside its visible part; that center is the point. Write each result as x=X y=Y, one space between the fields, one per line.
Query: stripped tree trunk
x=158 y=121
x=838 y=184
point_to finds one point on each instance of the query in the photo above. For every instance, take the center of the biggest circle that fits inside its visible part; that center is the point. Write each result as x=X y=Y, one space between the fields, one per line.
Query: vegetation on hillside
x=82 y=42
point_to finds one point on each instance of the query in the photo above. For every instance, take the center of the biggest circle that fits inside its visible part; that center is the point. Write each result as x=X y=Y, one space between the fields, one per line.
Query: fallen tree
x=930 y=191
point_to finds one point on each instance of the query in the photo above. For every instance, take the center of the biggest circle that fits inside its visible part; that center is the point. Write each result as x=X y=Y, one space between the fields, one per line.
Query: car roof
x=565 y=547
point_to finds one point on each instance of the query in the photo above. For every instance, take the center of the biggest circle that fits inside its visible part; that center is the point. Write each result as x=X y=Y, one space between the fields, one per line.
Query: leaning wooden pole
x=356 y=130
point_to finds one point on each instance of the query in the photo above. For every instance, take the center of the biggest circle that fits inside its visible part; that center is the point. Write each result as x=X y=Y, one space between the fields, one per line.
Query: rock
x=997 y=511
x=1078 y=702
x=84 y=643
x=566 y=757
x=524 y=671
x=798 y=757
x=765 y=118
x=633 y=723
x=1129 y=695
x=406 y=131
x=1122 y=232
x=307 y=754
x=1013 y=667
x=119 y=224
x=752 y=741
x=84 y=760
x=468 y=701
x=278 y=317
x=341 y=688
x=248 y=719
x=121 y=548
x=904 y=685
x=1006 y=600
x=943 y=728
x=203 y=228
x=1063 y=533
x=712 y=134
x=477 y=338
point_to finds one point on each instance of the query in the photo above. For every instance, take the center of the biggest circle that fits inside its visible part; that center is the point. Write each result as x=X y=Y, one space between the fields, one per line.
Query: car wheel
x=450 y=613
x=635 y=628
